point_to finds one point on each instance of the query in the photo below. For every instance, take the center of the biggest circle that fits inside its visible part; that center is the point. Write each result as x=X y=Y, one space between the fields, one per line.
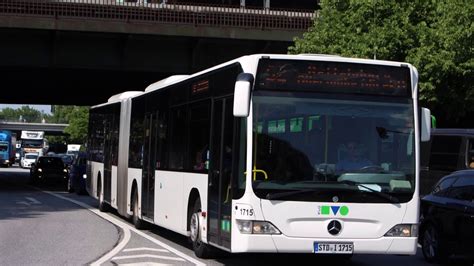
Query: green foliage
x=23 y=114
x=435 y=36
x=78 y=119
x=61 y=113
x=78 y=124
x=76 y=116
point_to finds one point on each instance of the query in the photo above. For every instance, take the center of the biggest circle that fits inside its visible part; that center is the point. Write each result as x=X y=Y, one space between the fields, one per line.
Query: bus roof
x=165 y=82
x=249 y=65
x=123 y=95
x=118 y=97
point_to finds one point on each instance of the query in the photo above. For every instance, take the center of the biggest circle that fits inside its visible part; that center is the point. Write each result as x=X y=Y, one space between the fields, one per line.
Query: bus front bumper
x=284 y=244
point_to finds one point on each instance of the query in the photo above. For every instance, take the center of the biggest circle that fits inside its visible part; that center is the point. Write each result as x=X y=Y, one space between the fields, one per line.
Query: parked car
x=28 y=160
x=449 y=150
x=447 y=218
x=77 y=174
x=49 y=168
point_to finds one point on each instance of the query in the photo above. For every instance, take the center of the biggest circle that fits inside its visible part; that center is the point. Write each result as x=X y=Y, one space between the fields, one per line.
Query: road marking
x=126 y=232
x=175 y=251
x=116 y=250
x=124 y=227
x=29 y=202
x=147 y=256
x=23 y=202
x=33 y=200
x=145 y=264
x=145 y=249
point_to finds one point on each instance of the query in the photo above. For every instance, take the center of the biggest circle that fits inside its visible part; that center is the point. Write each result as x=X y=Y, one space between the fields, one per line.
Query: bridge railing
x=198 y=14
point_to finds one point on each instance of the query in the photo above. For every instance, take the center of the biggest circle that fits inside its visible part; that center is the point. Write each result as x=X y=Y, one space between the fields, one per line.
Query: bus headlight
x=257 y=227
x=403 y=230
x=65 y=170
x=40 y=170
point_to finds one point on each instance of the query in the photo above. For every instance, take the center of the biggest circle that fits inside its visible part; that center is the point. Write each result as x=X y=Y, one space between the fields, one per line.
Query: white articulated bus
x=268 y=153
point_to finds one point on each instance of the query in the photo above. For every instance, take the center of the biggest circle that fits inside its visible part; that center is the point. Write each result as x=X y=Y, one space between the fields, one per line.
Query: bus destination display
x=317 y=76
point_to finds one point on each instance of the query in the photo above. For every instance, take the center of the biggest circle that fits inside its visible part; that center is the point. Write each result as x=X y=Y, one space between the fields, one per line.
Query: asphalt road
x=37 y=228
x=47 y=226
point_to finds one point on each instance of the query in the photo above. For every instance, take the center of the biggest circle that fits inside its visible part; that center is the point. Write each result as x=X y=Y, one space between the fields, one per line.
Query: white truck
x=73 y=148
x=33 y=142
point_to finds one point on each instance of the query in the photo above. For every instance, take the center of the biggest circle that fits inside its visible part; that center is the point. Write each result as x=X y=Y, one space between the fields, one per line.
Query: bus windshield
x=330 y=143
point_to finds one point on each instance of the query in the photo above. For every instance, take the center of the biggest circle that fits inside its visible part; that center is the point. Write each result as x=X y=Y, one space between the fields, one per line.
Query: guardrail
x=198 y=15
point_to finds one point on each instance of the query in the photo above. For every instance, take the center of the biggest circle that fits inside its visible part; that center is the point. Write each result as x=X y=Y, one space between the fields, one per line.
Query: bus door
x=149 y=158
x=221 y=160
x=108 y=157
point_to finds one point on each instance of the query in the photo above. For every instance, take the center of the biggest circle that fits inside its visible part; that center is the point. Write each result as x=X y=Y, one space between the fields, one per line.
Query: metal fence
x=145 y=12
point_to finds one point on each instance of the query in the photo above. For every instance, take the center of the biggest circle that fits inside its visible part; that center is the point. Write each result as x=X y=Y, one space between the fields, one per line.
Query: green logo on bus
x=334 y=210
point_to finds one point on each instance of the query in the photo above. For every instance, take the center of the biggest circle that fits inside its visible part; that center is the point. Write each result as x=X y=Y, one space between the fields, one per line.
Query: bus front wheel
x=201 y=249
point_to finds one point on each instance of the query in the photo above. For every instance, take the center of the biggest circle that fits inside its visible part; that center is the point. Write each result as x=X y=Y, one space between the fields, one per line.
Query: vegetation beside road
x=435 y=36
x=76 y=116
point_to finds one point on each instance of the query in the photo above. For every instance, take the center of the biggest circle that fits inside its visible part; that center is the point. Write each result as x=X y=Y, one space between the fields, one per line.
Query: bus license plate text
x=333 y=248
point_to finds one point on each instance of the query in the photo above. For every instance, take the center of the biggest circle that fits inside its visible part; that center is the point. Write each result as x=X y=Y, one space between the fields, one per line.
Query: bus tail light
x=403 y=230
x=257 y=227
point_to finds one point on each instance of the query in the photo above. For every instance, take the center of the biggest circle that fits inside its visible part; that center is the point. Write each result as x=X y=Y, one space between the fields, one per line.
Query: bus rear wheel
x=102 y=204
x=137 y=222
x=201 y=249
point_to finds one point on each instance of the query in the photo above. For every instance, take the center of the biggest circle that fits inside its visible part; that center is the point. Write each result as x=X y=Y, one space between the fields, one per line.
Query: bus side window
x=177 y=138
x=199 y=127
x=445 y=151
x=162 y=141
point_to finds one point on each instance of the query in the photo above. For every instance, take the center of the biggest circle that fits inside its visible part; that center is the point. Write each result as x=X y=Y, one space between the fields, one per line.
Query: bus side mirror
x=425 y=124
x=243 y=86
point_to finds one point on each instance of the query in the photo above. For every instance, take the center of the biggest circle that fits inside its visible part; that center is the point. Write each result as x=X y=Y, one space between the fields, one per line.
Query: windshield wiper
x=376 y=192
x=280 y=195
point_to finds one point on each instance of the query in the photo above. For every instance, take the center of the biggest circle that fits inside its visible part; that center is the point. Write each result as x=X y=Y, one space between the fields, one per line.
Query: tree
x=435 y=36
x=78 y=124
x=60 y=113
x=23 y=114
x=78 y=119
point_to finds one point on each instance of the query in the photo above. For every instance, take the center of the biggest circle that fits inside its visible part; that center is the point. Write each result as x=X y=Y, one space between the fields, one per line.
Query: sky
x=45 y=108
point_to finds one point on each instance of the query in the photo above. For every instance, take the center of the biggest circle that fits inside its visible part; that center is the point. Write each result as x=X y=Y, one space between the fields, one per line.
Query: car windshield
x=32 y=143
x=67 y=159
x=52 y=162
x=313 y=141
x=31 y=156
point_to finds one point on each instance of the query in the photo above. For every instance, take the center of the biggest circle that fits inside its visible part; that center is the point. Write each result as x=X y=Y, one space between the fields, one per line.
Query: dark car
x=48 y=168
x=77 y=174
x=67 y=158
x=447 y=218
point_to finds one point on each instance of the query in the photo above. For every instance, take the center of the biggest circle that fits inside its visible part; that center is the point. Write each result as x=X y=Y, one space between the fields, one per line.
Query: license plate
x=333 y=248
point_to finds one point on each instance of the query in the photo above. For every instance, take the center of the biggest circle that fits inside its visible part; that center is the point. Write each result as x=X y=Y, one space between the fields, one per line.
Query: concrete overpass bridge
x=48 y=128
x=89 y=50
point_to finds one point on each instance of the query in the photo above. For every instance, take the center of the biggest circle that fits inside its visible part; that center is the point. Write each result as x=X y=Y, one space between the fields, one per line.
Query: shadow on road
x=20 y=199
